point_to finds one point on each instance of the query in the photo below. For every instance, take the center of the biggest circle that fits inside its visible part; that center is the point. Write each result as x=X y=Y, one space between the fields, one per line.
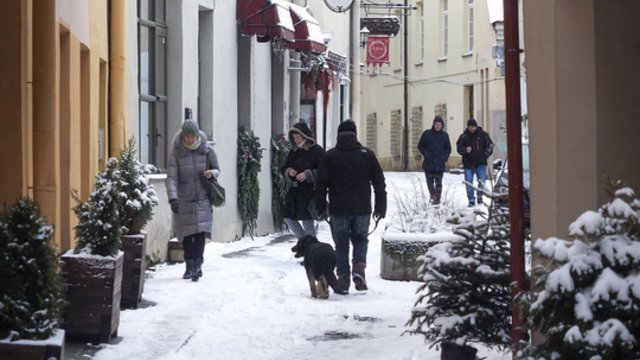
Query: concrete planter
x=133 y=267
x=49 y=349
x=400 y=251
x=175 y=252
x=94 y=289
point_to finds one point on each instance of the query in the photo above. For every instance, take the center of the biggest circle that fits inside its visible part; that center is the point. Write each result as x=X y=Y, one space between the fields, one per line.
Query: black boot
x=189 y=269
x=197 y=270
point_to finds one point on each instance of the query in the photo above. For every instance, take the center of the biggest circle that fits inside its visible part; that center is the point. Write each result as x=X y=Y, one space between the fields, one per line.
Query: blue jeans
x=345 y=229
x=307 y=228
x=480 y=172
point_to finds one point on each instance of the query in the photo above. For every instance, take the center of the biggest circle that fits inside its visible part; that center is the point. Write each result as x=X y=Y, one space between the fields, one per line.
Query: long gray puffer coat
x=184 y=182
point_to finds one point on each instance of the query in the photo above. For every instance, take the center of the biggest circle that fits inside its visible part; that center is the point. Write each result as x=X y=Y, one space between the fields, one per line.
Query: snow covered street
x=253 y=302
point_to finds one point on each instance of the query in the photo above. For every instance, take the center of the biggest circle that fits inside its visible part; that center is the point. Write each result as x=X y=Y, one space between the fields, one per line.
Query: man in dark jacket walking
x=435 y=148
x=347 y=173
x=475 y=146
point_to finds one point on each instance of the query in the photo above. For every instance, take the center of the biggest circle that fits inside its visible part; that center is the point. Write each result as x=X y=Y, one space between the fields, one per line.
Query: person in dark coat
x=435 y=148
x=301 y=169
x=347 y=172
x=475 y=146
x=191 y=161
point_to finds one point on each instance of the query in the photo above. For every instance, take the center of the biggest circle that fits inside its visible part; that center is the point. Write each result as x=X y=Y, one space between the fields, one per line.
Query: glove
x=377 y=215
x=175 y=207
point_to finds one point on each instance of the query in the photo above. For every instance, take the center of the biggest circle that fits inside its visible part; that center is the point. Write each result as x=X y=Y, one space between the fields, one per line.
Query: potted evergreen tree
x=137 y=211
x=466 y=297
x=588 y=289
x=31 y=292
x=93 y=270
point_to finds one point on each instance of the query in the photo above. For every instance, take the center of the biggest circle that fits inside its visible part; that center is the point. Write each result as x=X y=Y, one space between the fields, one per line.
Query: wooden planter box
x=94 y=287
x=133 y=267
x=50 y=349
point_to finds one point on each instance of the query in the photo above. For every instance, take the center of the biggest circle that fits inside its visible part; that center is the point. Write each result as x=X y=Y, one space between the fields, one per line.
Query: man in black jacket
x=347 y=173
x=435 y=147
x=475 y=146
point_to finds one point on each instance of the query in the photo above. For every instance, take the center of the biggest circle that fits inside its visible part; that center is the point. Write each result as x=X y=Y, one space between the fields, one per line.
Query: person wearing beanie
x=346 y=174
x=300 y=168
x=475 y=146
x=435 y=147
x=191 y=162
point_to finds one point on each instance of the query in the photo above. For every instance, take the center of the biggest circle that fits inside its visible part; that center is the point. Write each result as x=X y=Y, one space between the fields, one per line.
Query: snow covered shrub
x=100 y=225
x=466 y=297
x=416 y=215
x=31 y=290
x=140 y=198
x=588 y=306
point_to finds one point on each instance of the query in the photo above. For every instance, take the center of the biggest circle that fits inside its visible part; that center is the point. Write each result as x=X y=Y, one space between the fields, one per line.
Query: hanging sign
x=377 y=50
x=338 y=5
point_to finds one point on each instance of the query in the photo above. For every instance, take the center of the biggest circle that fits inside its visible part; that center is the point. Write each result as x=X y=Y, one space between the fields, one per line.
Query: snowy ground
x=254 y=303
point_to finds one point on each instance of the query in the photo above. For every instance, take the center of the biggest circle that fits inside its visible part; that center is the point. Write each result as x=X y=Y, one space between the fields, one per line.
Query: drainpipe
x=354 y=46
x=514 y=156
x=405 y=88
x=118 y=74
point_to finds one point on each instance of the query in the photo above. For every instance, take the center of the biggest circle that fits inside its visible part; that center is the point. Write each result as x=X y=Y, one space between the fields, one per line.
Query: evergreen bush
x=31 y=290
x=249 y=156
x=466 y=297
x=100 y=225
x=280 y=148
x=137 y=209
x=587 y=298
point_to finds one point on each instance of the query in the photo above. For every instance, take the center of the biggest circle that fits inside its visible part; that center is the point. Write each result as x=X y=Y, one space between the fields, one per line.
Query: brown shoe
x=344 y=282
x=359 y=277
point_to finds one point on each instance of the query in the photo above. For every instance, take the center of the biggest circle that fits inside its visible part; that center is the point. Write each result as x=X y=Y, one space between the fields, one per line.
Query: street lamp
x=364 y=36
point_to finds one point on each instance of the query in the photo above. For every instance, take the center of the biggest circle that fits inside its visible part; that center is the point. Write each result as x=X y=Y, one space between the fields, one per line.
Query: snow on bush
x=466 y=297
x=588 y=305
x=31 y=290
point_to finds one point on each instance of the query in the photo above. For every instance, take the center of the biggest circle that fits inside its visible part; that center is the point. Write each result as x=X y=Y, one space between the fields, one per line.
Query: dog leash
x=375 y=226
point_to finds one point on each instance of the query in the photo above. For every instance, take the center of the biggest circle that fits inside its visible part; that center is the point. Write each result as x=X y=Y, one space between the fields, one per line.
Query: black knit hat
x=438 y=119
x=472 y=122
x=347 y=125
x=190 y=127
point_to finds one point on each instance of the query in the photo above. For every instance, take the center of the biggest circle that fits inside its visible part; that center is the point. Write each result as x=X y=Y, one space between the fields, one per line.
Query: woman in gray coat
x=191 y=162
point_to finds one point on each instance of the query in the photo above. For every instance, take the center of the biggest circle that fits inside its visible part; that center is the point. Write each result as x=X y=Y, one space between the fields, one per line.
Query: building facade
x=452 y=70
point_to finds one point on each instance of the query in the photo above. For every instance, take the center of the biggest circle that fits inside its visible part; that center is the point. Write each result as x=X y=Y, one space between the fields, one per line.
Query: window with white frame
x=469 y=26
x=445 y=28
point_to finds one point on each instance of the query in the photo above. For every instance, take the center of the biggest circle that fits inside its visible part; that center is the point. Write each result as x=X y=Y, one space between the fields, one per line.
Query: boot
x=344 y=283
x=358 y=276
x=189 y=269
x=197 y=270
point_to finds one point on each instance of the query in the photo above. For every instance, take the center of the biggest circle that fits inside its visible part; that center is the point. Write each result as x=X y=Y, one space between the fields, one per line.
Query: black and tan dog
x=320 y=263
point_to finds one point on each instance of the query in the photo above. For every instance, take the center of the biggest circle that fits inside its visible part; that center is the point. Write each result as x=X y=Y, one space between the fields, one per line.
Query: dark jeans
x=345 y=229
x=193 y=246
x=434 y=182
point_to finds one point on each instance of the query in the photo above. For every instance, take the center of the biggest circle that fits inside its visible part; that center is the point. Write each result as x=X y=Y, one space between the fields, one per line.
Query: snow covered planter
x=466 y=297
x=589 y=305
x=93 y=270
x=137 y=211
x=400 y=253
x=31 y=290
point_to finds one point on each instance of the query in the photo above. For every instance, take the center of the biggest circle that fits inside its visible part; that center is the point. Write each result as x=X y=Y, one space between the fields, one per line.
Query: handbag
x=216 y=192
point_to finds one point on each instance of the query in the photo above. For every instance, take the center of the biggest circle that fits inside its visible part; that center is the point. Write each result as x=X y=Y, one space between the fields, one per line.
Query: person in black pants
x=435 y=148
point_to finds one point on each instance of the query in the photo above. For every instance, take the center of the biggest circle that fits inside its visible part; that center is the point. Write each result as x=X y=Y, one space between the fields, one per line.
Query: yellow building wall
x=54 y=98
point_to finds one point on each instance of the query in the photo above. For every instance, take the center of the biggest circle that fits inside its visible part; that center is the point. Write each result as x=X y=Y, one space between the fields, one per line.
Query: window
x=469 y=26
x=445 y=28
x=152 y=44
